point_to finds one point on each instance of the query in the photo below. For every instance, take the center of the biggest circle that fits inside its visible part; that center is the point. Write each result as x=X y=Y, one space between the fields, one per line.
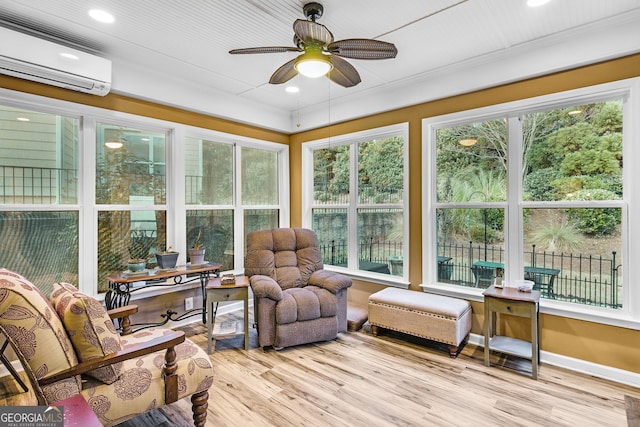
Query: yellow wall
x=606 y=345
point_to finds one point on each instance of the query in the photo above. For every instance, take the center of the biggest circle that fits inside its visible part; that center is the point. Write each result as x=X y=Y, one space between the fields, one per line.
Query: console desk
x=123 y=284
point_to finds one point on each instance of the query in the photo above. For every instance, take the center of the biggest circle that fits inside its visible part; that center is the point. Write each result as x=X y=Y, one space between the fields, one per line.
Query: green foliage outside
x=595 y=222
x=569 y=154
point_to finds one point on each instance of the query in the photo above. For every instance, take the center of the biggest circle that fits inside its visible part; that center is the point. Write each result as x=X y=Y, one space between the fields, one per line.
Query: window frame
x=175 y=204
x=238 y=142
x=352 y=140
x=629 y=90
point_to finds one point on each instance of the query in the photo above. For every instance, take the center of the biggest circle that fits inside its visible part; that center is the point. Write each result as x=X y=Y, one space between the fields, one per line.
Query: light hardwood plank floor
x=389 y=380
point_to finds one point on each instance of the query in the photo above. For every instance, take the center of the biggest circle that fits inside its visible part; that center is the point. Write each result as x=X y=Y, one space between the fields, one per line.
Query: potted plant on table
x=168 y=259
x=139 y=248
x=196 y=253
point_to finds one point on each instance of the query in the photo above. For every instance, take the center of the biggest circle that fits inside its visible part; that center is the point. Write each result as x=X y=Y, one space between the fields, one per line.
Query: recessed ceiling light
x=23 y=119
x=101 y=16
x=69 y=55
x=536 y=3
x=468 y=142
x=292 y=89
x=113 y=144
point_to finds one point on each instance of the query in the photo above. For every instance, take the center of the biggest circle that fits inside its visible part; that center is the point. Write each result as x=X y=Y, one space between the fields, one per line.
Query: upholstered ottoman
x=435 y=317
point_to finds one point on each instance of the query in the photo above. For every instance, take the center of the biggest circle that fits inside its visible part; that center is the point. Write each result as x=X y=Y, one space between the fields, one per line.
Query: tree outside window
x=359 y=194
x=570 y=193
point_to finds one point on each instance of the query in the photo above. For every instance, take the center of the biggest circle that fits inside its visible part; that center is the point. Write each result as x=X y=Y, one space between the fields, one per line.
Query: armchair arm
x=265 y=287
x=123 y=313
x=120 y=312
x=330 y=280
x=168 y=341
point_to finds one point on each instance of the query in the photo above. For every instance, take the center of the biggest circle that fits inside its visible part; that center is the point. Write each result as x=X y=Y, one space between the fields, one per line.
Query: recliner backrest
x=287 y=255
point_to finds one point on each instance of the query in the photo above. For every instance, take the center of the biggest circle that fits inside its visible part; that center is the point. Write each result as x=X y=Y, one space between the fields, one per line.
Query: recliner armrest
x=265 y=287
x=330 y=280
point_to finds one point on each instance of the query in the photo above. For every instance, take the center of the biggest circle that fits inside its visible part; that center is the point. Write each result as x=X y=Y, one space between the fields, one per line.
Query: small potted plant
x=139 y=248
x=196 y=253
x=167 y=259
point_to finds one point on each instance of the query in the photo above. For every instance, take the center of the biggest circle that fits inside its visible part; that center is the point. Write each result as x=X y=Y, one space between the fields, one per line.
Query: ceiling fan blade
x=312 y=33
x=343 y=73
x=266 y=49
x=285 y=73
x=363 y=49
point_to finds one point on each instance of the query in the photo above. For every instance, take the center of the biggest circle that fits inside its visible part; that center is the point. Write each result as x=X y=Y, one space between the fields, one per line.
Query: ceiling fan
x=321 y=55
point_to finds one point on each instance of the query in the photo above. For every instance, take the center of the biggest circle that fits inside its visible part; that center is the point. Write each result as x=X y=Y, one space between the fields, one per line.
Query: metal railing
x=29 y=185
x=581 y=278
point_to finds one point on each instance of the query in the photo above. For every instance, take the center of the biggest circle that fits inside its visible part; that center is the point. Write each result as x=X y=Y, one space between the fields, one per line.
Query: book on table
x=228 y=327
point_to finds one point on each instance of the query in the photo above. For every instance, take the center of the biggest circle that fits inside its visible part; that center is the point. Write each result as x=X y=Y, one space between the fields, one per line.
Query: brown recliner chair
x=295 y=300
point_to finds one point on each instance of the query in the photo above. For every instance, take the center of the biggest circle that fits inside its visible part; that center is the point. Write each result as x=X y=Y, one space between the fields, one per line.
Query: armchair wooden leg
x=170 y=377
x=199 y=407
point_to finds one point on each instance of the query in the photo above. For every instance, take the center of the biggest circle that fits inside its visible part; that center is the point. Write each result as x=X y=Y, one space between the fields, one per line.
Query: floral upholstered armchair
x=296 y=301
x=69 y=345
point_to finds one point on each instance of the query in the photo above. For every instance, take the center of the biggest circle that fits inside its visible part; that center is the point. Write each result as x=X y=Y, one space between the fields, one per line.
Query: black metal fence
x=579 y=278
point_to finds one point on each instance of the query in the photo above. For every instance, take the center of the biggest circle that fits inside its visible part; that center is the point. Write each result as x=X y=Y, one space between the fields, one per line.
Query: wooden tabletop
x=512 y=294
x=124 y=277
x=241 y=282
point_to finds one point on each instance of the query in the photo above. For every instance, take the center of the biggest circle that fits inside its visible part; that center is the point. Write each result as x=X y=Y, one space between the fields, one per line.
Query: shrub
x=538 y=185
x=594 y=221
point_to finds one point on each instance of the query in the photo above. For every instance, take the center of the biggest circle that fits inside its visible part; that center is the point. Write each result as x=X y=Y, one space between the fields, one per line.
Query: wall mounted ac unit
x=32 y=58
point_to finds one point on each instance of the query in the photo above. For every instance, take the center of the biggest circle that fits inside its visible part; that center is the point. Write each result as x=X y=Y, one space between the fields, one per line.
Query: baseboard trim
x=577 y=365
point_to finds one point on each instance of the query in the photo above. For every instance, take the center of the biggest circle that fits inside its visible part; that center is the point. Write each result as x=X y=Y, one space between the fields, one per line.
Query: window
x=39 y=195
x=532 y=190
x=83 y=190
x=212 y=180
x=131 y=181
x=356 y=200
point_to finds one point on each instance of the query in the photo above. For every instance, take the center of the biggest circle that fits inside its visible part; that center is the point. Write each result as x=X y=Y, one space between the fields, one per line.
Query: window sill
x=382 y=279
x=554 y=308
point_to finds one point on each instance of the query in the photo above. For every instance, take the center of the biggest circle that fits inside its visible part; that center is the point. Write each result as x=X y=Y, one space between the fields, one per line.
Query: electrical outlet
x=188 y=303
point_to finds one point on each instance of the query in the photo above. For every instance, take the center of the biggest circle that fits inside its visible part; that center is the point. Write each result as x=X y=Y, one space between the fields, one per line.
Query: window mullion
x=513 y=213
x=352 y=211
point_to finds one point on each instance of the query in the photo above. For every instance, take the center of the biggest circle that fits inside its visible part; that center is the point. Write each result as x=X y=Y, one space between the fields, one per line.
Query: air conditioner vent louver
x=31 y=58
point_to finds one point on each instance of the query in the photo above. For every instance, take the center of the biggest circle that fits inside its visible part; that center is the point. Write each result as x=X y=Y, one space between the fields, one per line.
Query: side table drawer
x=228 y=294
x=522 y=309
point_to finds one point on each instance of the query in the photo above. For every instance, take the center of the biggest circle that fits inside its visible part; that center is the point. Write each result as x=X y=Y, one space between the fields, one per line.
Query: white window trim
x=629 y=89
x=400 y=129
x=175 y=203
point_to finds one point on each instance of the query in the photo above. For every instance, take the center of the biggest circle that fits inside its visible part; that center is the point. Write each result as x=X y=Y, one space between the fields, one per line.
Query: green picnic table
x=485 y=272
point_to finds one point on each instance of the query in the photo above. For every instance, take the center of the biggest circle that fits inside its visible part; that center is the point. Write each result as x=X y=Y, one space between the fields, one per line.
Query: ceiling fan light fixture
x=313 y=64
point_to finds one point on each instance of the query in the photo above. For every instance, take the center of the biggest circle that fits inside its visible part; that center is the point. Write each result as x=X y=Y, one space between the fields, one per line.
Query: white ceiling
x=176 y=51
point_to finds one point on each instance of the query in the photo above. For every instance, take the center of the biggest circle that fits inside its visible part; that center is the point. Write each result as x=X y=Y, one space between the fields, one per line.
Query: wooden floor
x=389 y=380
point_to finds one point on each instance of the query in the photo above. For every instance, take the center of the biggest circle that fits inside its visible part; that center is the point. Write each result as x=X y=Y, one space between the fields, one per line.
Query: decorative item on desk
x=228 y=279
x=524 y=285
x=196 y=253
x=139 y=248
x=168 y=259
x=498 y=280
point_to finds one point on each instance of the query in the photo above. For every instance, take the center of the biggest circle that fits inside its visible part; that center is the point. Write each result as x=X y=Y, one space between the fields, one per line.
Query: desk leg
x=246 y=322
x=211 y=320
x=535 y=347
x=487 y=332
